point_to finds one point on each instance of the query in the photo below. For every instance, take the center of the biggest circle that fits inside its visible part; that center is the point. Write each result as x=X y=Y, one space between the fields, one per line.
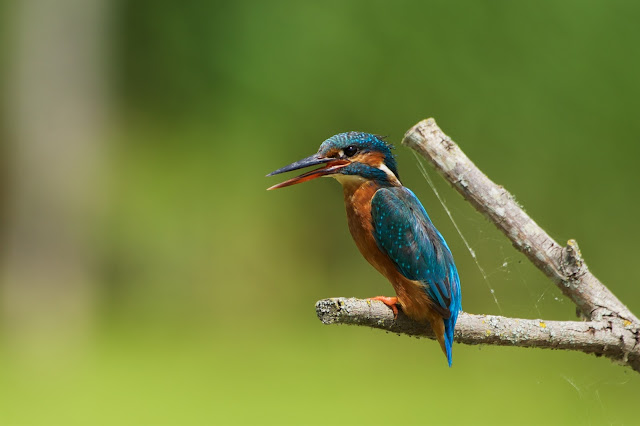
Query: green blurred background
x=149 y=278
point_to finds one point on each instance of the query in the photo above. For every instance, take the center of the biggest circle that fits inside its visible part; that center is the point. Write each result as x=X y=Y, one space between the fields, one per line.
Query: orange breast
x=411 y=296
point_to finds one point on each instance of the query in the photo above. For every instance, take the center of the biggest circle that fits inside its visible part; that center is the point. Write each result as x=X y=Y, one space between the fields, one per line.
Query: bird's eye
x=350 y=151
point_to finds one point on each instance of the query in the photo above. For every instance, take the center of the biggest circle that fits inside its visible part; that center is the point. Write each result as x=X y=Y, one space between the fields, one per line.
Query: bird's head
x=349 y=157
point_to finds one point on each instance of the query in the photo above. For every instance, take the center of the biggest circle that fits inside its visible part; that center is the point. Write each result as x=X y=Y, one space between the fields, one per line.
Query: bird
x=391 y=229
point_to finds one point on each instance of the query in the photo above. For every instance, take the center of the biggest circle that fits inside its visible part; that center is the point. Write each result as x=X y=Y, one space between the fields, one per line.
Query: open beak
x=330 y=166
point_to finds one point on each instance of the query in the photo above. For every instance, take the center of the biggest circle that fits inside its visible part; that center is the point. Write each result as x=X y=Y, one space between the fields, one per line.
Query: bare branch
x=613 y=331
x=592 y=337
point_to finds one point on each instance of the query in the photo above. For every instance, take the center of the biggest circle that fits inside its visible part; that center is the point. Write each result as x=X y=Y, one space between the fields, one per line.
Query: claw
x=391 y=302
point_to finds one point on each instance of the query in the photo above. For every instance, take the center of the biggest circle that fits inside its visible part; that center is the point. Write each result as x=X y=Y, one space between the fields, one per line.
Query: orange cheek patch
x=374 y=159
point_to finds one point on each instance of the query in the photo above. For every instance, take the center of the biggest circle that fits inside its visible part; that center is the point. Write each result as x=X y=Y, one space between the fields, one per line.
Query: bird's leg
x=391 y=302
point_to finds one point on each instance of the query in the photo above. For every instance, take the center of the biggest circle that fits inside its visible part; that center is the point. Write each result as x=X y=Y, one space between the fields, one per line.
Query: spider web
x=472 y=252
x=510 y=264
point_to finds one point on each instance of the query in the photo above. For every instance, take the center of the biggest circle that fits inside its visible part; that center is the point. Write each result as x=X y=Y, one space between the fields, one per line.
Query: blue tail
x=449 y=326
x=455 y=307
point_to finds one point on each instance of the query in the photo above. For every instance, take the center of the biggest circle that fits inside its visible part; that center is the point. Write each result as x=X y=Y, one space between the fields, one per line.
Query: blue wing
x=403 y=230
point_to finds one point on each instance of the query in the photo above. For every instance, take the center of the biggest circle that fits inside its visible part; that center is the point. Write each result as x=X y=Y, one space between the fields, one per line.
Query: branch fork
x=610 y=329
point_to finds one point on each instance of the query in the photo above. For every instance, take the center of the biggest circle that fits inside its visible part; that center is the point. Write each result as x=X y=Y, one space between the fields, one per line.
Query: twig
x=613 y=331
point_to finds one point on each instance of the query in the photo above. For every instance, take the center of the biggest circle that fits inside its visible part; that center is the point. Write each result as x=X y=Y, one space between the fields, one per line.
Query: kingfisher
x=391 y=229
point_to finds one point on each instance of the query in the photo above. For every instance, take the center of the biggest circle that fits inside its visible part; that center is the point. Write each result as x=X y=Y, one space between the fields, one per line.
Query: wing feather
x=403 y=230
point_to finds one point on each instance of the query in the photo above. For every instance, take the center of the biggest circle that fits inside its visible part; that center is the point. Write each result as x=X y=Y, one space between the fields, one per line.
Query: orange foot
x=390 y=302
